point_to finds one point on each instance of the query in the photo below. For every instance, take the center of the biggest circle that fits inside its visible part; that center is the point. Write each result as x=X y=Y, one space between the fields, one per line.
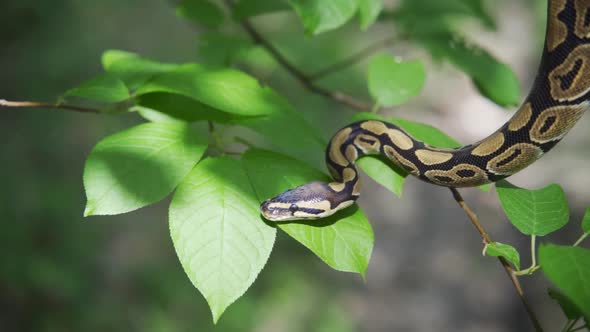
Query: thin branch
x=302 y=77
x=353 y=59
x=34 y=104
x=509 y=270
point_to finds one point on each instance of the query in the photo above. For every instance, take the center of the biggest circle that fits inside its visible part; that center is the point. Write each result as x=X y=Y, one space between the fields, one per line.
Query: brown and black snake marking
x=559 y=97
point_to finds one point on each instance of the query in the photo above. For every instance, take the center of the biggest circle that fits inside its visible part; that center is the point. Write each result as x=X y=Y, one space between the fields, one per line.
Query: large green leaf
x=179 y=107
x=227 y=90
x=105 y=88
x=290 y=134
x=393 y=82
x=131 y=68
x=344 y=241
x=139 y=166
x=201 y=12
x=497 y=249
x=569 y=269
x=421 y=16
x=369 y=11
x=218 y=234
x=534 y=212
x=319 y=16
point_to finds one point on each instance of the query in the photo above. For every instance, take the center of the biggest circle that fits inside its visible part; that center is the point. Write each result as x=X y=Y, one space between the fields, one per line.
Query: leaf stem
x=584 y=236
x=509 y=270
x=34 y=104
x=533 y=251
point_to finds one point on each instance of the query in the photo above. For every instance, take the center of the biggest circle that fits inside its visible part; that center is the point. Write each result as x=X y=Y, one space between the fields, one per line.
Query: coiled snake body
x=558 y=98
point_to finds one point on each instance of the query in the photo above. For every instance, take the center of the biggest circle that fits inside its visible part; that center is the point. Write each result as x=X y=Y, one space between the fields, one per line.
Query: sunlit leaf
x=344 y=241
x=218 y=234
x=369 y=11
x=569 y=269
x=224 y=89
x=319 y=16
x=384 y=173
x=131 y=68
x=201 y=12
x=105 y=88
x=180 y=107
x=497 y=249
x=392 y=82
x=139 y=166
x=534 y=212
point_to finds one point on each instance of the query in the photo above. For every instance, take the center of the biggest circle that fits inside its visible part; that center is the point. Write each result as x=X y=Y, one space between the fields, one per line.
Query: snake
x=559 y=96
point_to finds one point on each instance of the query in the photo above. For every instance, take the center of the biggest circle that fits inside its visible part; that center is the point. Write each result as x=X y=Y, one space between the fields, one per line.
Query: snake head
x=309 y=201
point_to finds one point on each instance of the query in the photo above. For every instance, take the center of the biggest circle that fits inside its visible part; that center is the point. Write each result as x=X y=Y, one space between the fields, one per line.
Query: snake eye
x=293 y=207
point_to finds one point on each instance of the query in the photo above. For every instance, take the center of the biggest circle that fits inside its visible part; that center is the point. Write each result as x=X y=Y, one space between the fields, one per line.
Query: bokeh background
x=62 y=272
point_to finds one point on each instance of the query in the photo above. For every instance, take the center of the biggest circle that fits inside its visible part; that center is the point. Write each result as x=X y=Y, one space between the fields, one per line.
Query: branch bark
x=34 y=104
x=509 y=270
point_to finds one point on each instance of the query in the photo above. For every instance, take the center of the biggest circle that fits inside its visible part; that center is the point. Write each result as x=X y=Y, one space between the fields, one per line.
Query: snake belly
x=557 y=100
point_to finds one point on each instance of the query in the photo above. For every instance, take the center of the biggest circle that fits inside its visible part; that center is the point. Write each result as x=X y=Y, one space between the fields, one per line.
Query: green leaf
x=200 y=12
x=221 y=49
x=180 y=108
x=369 y=11
x=104 y=88
x=280 y=128
x=570 y=310
x=139 y=166
x=534 y=212
x=319 y=16
x=344 y=241
x=586 y=221
x=393 y=82
x=217 y=231
x=227 y=90
x=494 y=79
x=131 y=68
x=569 y=269
x=248 y=8
x=384 y=172
x=497 y=249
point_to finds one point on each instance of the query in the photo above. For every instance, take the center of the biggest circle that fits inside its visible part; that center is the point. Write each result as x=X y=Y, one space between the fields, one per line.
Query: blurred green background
x=61 y=272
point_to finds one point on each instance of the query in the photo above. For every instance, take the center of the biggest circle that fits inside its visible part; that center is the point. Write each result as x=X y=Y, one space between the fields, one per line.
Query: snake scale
x=558 y=98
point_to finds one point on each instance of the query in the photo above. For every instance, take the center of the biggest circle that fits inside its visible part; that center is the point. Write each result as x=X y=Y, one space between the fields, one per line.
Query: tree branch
x=509 y=270
x=6 y=103
x=303 y=78
x=353 y=59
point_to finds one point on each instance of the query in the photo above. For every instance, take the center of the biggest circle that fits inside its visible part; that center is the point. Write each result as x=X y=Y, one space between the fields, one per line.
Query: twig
x=509 y=270
x=304 y=79
x=351 y=60
x=6 y=103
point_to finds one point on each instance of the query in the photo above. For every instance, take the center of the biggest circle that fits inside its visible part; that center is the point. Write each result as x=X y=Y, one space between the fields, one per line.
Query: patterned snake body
x=558 y=98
